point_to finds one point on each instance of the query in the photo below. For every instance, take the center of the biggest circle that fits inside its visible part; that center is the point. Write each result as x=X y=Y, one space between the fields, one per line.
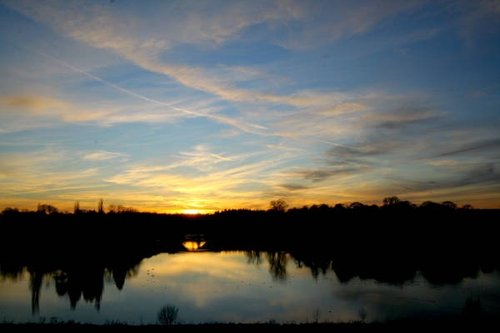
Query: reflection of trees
x=253 y=257
x=88 y=283
x=36 y=279
x=316 y=262
x=11 y=271
x=120 y=272
x=74 y=281
x=277 y=264
x=392 y=267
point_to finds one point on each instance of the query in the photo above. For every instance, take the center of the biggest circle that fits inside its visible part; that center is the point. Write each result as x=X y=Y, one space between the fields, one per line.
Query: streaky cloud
x=294 y=187
x=474 y=147
x=103 y=155
x=476 y=176
x=247 y=127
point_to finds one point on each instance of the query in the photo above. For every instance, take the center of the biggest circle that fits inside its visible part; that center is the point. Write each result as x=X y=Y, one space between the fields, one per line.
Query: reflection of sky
x=224 y=287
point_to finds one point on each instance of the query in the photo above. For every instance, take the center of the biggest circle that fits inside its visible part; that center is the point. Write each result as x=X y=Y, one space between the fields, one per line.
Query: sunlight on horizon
x=191 y=211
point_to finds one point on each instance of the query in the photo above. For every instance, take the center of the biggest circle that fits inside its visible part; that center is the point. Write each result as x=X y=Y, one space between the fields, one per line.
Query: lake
x=233 y=286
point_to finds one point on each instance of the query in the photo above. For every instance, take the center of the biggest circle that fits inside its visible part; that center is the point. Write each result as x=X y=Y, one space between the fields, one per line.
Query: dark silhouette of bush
x=167 y=315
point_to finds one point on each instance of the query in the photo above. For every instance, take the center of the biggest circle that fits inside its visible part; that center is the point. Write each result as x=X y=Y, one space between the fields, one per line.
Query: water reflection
x=278 y=261
x=242 y=286
x=74 y=282
x=193 y=246
x=194 y=242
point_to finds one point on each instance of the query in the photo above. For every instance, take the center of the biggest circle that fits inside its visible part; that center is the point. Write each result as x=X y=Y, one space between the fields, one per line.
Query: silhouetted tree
x=430 y=205
x=112 y=209
x=10 y=211
x=46 y=209
x=279 y=205
x=449 y=204
x=121 y=209
x=76 y=209
x=391 y=201
x=467 y=206
x=100 y=206
x=356 y=205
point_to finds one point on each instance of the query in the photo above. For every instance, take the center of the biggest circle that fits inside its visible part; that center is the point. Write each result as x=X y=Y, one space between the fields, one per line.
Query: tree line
x=279 y=205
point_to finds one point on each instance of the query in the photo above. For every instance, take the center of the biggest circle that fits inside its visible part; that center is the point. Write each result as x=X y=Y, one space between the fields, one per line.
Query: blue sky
x=205 y=105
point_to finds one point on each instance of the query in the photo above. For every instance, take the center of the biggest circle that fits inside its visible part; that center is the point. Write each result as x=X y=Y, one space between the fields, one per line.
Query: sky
x=199 y=106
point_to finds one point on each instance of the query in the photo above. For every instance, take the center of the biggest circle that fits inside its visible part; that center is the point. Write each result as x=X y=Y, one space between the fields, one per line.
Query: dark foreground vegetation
x=443 y=325
x=390 y=244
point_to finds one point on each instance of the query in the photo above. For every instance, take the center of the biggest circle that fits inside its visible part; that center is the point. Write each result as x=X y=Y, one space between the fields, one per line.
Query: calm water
x=235 y=287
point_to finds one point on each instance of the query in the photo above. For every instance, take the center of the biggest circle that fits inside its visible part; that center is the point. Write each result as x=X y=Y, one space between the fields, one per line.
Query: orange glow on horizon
x=191 y=211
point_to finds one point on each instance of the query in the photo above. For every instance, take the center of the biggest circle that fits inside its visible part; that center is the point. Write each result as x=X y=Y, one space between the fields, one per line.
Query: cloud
x=333 y=116
x=70 y=112
x=244 y=126
x=387 y=128
x=477 y=17
x=203 y=159
x=329 y=22
x=34 y=103
x=38 y=174
x=318 y=175
x=103 y=155
x=108 y=27
x=474 y=147
x=406 y=117
x=209 y=180
x=98 y=27
x=52 y=107
x=294 y=187
x=471 y=182
x=344 y=161
x=484 y=173
x=344 y=154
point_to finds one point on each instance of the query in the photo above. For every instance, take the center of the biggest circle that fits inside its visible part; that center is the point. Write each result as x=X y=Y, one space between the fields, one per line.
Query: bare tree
x=279 y=205
x=168 y=314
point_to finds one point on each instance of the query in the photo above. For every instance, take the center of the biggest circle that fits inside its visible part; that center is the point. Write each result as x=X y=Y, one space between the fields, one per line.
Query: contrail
x=228 y=121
